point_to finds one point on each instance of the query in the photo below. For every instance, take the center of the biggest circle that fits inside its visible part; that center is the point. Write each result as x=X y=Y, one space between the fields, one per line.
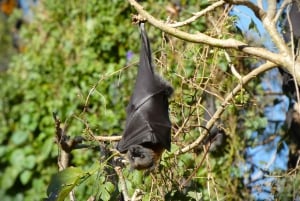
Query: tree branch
x=123 y=185
x=198 y=14
x=202 y=38
x=66 y=146
x=107 y=138
x=283 y=59
x=269 y=23
x=264 y=67
x=271 y=9
x=280 y=10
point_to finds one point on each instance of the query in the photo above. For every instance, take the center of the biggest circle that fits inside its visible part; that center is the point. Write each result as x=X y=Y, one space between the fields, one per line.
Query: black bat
x=148 y=127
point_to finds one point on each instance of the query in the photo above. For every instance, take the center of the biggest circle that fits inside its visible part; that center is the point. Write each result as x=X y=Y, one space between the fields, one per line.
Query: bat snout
x=141 y=157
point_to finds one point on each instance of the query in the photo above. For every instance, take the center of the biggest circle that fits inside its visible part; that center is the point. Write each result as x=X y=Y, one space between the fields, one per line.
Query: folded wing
x=147 y=112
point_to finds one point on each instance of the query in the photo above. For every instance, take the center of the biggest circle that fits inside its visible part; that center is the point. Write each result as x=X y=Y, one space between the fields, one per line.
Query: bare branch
x=220 y=110
x=97 y=137
x=62 y=141
x=202 y=38
x=281 y=9
x=66 y=145
x=122 y=183
x=185 y=182
x=198 y=14
x=271 y=9
x=107 y=138
x=260 y=5
x=269 y=23
x=232 y=68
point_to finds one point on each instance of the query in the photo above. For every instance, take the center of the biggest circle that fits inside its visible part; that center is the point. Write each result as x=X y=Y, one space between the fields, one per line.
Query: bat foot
x=120 y=161
x=137 y=19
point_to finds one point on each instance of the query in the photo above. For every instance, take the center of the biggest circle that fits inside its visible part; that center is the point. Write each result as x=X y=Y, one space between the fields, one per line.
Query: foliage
x=77 y=62
x=69 y=47
x=6 y=49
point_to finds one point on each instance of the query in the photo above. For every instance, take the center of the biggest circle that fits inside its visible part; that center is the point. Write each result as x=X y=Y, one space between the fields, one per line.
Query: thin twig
x=184 y=183
x=232 y=68
x=107 y=138
x=281 y=9
x=203 y=38
x=198 y=14
x=229 y=97
x=99 y=81
x=122 y=183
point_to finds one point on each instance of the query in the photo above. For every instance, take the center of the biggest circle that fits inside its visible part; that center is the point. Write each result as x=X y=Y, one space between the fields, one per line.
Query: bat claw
x=137 y=19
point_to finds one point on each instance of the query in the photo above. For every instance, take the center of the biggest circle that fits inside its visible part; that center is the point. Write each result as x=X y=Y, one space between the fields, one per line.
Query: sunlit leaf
x=63 y=182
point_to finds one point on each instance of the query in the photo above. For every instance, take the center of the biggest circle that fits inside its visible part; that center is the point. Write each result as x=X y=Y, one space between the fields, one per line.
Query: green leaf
x=3 y=151
x=25 y=177
x=9 y=176
x=17 y=158
x=109 y=187
x=46 y=149
x=63 y=182
x=19 y=137
x=30 y=162
x=105 y=191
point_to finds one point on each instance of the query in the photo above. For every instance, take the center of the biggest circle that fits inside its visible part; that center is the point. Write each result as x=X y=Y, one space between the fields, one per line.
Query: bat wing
x=147 y=113
x=147 y=83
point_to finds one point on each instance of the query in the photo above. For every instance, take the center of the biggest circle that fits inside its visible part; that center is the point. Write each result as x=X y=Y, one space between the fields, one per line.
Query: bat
x=148 y=127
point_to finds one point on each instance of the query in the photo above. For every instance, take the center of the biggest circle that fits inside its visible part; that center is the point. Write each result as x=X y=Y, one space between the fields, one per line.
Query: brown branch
x=122 y=183
x=283 y=59
x=203 y=38
x=185 y=182
x=198 y=14
x=271 y=11
x=281 y=9
x=61 y=139
x=97 y=137
x=229 y=97
x=107 y=138
x=260 y=4
x=269 y=23
x=66 y=146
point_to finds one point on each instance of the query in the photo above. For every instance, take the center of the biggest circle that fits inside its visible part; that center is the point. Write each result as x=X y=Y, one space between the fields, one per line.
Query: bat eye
x=142 y=156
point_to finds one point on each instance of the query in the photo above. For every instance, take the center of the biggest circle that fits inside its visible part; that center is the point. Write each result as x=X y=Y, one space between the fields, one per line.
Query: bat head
x=144 y=157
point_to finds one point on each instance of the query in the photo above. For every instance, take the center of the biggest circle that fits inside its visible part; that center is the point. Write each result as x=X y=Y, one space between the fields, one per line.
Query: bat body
x=148 y=126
